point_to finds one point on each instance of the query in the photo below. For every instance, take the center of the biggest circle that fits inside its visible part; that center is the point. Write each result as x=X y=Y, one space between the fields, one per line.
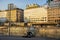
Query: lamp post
x=9 y=8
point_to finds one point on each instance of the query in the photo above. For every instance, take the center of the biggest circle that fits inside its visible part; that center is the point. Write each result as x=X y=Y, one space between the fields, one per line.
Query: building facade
x=3 y=15
x=36 y=14
x=54 y=11
x=43 y=14
x=53 y=14
x=14 y=15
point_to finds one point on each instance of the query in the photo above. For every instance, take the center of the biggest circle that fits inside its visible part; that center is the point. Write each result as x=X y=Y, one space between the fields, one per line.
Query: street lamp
x=9 y=8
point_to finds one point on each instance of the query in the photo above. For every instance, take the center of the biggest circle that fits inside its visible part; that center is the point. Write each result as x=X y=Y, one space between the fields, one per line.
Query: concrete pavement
x=23 y=38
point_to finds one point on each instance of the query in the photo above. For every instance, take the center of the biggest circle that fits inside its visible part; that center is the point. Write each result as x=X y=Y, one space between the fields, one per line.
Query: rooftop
x=32 y=6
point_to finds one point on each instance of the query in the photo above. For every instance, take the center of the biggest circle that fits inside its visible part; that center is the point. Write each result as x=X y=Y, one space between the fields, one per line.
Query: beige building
x=53 y=14
x=42 y=14
x=54 y=11
x=14 y=15
x=35 y=13
x=3 y=14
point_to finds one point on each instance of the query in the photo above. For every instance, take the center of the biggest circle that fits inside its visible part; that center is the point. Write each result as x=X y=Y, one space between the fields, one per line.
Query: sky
x=19 y=3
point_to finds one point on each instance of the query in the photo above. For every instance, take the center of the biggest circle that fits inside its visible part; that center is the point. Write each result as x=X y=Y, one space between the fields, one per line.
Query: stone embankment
x=21 y=31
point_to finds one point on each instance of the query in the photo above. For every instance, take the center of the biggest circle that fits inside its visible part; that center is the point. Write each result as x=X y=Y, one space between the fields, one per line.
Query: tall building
x=54 y=3
x=13 y=15
x=48 y=1
x=11 y=6
x=54 y=11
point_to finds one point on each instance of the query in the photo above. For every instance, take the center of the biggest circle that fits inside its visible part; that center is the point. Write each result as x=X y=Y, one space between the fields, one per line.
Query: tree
x=49 y=1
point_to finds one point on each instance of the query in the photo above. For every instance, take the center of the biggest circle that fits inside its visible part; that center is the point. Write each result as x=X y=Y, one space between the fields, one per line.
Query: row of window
x=54 y=20
x=37 y=20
